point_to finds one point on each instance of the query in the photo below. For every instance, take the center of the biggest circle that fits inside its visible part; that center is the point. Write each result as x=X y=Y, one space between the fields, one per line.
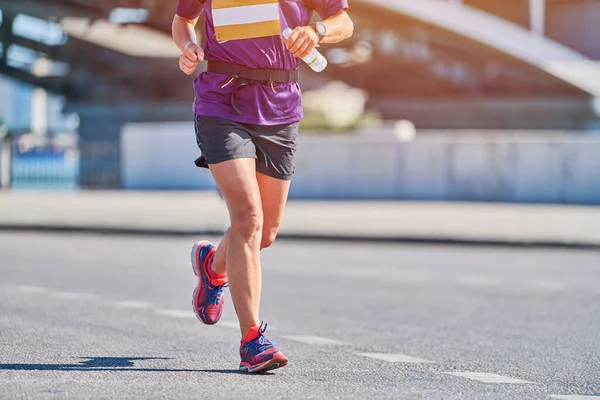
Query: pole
x=5 y=160
x=537 y=16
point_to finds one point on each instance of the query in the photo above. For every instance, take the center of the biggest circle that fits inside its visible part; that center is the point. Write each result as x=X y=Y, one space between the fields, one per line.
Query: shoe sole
x=265 y=367
x=196 y=268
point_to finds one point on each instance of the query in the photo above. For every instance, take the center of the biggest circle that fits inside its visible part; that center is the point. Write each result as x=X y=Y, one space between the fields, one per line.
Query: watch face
x=321 y=28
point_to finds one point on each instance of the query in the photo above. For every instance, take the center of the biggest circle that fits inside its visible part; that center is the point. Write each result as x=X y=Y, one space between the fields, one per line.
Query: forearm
x=183 y=31
x=339 y=27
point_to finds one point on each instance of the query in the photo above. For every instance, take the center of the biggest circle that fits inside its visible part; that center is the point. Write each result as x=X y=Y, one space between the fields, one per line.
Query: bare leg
x=273 y=194
x=237 y=182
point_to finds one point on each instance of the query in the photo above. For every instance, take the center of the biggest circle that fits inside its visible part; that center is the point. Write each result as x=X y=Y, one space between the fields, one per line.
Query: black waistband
x=260 y=75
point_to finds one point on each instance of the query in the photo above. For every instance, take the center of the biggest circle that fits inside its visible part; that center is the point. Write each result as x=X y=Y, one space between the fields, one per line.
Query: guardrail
x=39 y=161
x=54 y=161
x=5 y=159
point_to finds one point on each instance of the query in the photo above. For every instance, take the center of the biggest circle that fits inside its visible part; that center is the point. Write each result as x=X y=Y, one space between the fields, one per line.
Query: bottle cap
x=286 y=33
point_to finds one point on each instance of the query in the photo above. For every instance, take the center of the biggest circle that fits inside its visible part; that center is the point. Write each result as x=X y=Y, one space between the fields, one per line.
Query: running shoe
x=258 y=354
x=208 y=296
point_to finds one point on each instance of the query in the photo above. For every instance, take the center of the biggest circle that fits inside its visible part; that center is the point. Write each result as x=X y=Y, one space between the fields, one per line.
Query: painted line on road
x=486 y=377
x=477 y=280
x=176 y=313
x=134 y=304
x=75 y=296
x=549 y=286
x=316 y=340
x=53 y=293
x=411 y=277
x=131 y=304
x=396 y=358
x=575 y=396
x=183 y=314
x=33 y=289
x=236 y=325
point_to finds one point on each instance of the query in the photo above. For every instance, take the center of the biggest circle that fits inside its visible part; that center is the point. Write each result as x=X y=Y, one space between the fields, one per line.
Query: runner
x=247 y=109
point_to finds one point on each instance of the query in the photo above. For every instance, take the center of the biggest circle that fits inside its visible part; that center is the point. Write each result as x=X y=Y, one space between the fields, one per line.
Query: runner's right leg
x=237 y=182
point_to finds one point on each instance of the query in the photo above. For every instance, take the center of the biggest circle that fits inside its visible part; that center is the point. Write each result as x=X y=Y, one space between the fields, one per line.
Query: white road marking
x=573 y=397
x=395 y=358
x=316 y=340
x=176 y=313
x=133 y=304
x=477 y=280
x=549 y=286
x=190 y=315
x=75 y=296
x=236 y=325
x=61 y=295
x=410 y=276
x=33 y=289
x=486 y=378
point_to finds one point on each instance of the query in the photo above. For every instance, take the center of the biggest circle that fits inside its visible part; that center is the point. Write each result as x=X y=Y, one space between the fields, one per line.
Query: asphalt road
x=110 y=317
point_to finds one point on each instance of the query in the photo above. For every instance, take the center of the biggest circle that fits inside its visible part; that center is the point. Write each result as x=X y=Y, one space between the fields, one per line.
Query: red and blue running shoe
x=208 y=298
x=258 y=354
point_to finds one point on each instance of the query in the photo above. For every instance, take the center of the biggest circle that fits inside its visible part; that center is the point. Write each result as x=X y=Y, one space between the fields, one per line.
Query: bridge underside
x=414 y=70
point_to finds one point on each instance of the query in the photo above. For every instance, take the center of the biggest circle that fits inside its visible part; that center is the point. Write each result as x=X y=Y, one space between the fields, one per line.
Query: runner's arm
x=304 y=38
x=339 y=27
x=184 y=23
x=184 y=34
x=184 y=31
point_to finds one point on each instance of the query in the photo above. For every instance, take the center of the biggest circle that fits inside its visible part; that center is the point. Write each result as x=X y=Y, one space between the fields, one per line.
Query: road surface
x=91 y=316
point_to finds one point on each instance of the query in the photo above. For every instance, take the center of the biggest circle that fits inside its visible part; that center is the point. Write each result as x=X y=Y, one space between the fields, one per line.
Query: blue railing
x=45 y=168
x=43 y=162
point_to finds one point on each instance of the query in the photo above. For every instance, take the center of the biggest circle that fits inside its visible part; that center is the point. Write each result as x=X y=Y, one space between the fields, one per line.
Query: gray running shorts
x=273 y=147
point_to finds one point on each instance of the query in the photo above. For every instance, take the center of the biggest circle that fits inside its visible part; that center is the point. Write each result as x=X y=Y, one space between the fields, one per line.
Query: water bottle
x=314 y=60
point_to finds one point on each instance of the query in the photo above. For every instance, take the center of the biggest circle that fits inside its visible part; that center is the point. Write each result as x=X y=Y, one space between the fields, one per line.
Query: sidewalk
x=205 y=213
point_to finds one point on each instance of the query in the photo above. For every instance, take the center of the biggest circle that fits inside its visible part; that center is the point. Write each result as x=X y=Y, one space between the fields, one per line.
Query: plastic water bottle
x=314 y=60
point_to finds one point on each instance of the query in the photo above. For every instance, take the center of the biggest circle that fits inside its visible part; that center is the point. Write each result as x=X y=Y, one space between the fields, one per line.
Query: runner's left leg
x=273 y=193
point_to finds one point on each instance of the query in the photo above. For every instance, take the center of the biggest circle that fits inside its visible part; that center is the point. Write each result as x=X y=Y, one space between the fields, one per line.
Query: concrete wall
x=161 y=156
x=462 y=166
x=465 y=166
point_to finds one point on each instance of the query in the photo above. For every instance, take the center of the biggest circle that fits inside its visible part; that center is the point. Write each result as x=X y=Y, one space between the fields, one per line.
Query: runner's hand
x=302 y=41
x=191 y=56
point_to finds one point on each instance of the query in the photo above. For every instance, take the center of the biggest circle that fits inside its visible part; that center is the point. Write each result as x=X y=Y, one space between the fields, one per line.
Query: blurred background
x=474 y=100
x=407 y=238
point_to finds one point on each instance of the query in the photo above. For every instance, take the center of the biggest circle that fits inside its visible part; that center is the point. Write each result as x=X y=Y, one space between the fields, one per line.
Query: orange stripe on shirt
x=248 y=31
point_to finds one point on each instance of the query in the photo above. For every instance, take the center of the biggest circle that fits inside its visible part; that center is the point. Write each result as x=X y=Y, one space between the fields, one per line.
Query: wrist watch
x=321 y=30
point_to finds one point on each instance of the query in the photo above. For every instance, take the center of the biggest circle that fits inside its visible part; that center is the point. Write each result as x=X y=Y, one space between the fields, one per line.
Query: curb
x=334 y=237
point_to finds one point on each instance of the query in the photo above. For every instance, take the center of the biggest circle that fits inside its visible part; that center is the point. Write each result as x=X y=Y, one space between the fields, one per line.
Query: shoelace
x=258 y=344
x=215 y=292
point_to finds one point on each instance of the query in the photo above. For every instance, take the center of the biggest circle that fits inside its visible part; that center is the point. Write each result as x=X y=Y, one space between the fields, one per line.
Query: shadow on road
x=107 y=364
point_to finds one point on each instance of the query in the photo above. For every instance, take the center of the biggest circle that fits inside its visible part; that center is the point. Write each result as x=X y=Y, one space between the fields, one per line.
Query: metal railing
x=57 y=161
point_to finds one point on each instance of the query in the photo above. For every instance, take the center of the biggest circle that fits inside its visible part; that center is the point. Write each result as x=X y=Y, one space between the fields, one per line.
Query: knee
x=247 y=220
x=268 y=237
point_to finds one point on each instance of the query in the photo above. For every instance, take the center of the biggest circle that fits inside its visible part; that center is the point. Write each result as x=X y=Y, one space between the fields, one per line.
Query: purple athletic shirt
x=260 y=105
